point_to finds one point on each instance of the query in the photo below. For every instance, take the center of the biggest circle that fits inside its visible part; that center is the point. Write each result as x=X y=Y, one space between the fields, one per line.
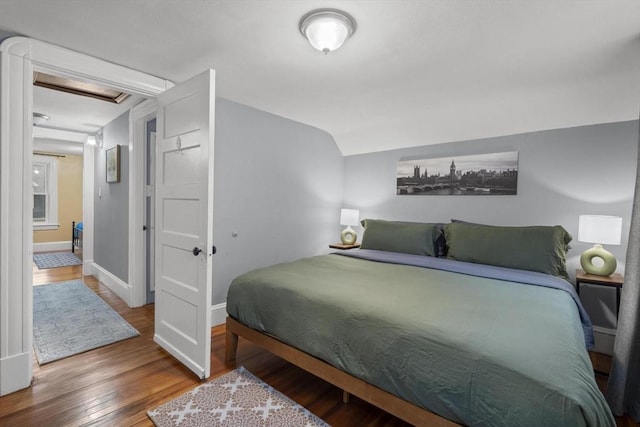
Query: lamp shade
x=602 y=229
x=349 y=216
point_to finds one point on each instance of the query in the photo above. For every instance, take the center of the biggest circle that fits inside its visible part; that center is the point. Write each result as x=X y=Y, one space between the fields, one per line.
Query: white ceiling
x=81 y=113
x=72 y=119
x=415 y=72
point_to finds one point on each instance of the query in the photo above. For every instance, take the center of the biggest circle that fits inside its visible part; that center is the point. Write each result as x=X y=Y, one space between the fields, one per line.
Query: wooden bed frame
x=349 y=384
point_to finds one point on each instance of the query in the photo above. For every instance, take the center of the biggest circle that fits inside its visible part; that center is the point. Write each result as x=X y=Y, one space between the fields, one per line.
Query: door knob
x=196 y=251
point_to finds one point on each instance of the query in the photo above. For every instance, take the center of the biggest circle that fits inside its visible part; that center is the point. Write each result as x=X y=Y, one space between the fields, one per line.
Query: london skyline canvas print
x=494 y=174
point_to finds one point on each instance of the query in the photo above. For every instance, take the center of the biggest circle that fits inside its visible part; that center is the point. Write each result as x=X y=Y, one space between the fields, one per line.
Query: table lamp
x=349 y=217
x=601 y=230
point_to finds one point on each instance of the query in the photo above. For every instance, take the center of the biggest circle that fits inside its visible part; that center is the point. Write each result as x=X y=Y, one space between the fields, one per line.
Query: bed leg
x=231 y=345
x=346 y=396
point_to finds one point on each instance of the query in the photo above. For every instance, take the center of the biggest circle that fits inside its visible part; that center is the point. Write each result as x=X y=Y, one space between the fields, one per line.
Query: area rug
x=234 y=399
x=68 y=318
x=55 y=259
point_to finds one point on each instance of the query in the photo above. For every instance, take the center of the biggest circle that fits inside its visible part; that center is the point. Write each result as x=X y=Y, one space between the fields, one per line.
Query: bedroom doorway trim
x=19 y=56
x=138 y=118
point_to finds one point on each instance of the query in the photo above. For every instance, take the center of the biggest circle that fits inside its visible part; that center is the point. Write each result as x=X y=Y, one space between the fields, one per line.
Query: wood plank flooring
x=115 y=385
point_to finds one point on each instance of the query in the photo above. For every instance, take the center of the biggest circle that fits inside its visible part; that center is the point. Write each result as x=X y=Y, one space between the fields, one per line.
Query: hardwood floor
x=115 y=385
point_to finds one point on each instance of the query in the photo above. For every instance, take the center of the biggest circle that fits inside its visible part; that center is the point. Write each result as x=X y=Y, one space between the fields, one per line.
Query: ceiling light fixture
x=40 y=119
x=327 y=29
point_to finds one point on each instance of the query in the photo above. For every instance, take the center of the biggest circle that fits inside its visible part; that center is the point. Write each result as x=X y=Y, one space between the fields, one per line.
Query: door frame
x=18 y=58
x=138 y=118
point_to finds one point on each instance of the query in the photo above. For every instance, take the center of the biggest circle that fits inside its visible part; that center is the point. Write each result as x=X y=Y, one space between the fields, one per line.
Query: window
x=45 y=193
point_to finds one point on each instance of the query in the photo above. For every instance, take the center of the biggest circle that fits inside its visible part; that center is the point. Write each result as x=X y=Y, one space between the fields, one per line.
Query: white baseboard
x=603 y=330
x=123 y=290
x=119 y=287
x=52 y=246
x=218 y=314
x=604 y=339
x=15 y=372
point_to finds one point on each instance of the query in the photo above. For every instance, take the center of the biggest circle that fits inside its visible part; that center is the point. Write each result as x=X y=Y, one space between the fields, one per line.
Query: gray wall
x=277 y=184
x=111 y=210
x=562 y=174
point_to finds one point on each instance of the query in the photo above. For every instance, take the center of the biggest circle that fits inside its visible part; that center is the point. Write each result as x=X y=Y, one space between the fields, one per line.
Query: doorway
x=19 y=57
x=61 y=129
x=69 y=317
x=57 y=213
x=57 y=199
x=186 y=120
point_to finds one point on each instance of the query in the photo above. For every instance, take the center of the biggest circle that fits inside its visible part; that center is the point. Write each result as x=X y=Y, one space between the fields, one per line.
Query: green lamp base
x=597 y=251
x=348 y=236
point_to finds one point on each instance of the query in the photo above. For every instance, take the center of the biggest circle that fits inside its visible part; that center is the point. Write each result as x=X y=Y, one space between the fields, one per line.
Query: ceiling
x=72 y=119
x=416 y=72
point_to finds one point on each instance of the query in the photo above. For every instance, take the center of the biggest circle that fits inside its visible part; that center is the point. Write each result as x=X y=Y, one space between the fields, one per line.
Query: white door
x=184 y=207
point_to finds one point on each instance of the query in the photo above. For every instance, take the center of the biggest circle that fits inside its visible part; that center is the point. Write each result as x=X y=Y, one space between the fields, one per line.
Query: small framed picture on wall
x=113 y=164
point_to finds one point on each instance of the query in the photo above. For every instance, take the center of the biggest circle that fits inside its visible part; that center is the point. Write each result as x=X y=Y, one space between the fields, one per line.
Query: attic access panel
x=78 y=87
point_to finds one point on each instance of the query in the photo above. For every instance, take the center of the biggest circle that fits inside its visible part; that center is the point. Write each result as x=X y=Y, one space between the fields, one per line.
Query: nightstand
x=344 y=247
x=615 y=280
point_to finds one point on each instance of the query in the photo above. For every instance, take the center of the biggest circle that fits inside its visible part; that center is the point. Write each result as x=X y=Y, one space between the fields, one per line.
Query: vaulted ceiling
x=415 y=72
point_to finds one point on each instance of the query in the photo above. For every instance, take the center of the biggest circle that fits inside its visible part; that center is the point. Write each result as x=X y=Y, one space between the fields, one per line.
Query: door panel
x=181 y=214
x=184 y=205
x=179 y=120
x=183 y=159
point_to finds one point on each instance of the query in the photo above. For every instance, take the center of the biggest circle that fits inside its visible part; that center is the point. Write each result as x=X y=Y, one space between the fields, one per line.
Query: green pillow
x=536 y=248
x=395 y=236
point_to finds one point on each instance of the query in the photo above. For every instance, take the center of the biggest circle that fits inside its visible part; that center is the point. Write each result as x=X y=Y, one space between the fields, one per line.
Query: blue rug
x=55 y=259
x=69 y=318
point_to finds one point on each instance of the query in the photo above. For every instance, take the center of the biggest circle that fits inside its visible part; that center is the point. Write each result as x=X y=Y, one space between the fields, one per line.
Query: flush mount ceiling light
x=327 y=29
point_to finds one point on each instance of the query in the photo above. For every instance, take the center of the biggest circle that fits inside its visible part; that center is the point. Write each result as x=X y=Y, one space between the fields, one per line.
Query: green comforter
x=475 y=350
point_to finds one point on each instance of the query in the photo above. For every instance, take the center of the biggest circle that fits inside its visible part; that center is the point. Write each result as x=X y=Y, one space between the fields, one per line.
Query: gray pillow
x=535 y=248
x=396 y=236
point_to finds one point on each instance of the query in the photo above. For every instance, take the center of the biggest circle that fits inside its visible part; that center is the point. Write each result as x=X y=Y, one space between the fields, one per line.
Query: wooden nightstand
x=615 y=280
x=344 y=247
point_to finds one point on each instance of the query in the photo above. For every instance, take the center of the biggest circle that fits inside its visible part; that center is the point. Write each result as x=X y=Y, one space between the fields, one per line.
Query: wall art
x=494 y=174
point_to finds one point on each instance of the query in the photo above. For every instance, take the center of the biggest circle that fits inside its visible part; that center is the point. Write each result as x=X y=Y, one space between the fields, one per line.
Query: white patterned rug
x=55 y=259
x=234 y=399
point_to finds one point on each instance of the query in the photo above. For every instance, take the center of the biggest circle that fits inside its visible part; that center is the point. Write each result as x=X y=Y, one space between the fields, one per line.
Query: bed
x=434 y=341
x=76 y=236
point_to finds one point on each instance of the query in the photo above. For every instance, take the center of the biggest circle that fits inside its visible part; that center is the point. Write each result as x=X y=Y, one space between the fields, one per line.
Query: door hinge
x=213 y=250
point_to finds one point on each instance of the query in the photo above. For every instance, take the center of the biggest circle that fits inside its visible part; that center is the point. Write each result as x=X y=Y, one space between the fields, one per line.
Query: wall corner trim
x=11 y=372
